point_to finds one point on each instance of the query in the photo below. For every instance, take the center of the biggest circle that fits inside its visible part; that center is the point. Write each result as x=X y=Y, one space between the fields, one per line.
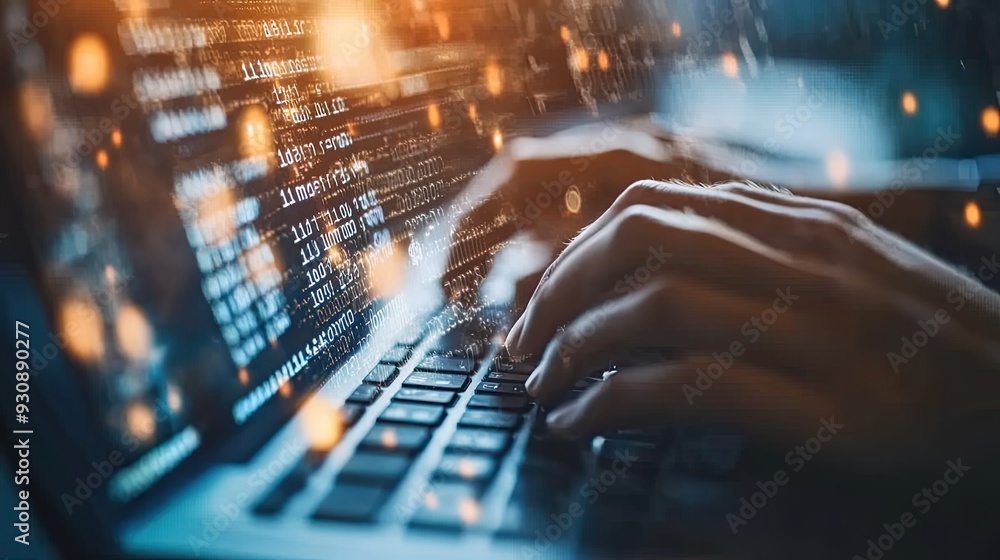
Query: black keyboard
x=482 y=434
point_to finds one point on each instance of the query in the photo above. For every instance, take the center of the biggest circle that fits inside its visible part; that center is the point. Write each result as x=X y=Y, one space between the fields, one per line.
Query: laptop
x=227 y=233
x=225 y=255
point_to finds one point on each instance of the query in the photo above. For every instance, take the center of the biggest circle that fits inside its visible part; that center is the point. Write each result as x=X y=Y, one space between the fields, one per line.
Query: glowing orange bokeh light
x=730 y=66
x=909 y=103
x=89 y=64
x=133 y=333
x=991 y=121
x=838 y=168
x=973 y=215
x=322 y=424
x=603 y=62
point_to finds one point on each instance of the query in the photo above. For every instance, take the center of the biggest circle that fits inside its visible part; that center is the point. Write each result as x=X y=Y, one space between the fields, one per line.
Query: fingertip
x=562 y=420
x=512 y=337
x=534 y=383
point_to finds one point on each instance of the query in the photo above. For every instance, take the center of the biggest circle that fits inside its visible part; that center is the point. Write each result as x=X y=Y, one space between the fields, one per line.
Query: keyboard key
x=427 y=380
x=490 y=419
x=403 y=439
x=705 y=451
x=405 y=413
x=351 y=503
x=532 y=504
x=382 y=375
x=518 y=403
x=502 y=377
x=446 y=364
x=554 y=457
x=492 y=388
x=504 y=364
x=293 y=481
x=449 y=506
x=274 y=501
x=640 y=455
x=397 y=355
x=365 y=394
x=479 y=441
x=376 y=468
x=471 y=468
x=351 y=413
x=429 y=396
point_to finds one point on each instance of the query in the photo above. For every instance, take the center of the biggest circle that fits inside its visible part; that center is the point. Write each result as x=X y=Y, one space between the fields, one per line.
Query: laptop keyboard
x=481 y=440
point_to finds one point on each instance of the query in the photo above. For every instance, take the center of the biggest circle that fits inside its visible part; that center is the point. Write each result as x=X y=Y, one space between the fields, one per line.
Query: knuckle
x=639 y=192
x=851 y=215
x=635 y=222
x=735 y=187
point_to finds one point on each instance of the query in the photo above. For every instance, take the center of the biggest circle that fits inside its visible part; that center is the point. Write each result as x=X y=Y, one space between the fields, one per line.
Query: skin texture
x=779 y=311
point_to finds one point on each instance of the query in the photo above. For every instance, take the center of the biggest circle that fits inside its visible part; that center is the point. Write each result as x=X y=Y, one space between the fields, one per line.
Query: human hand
x=549 y=188
x=784 y=311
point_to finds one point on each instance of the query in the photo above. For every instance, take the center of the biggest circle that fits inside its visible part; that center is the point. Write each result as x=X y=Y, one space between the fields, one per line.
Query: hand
x=527 y=184
x=784 y=311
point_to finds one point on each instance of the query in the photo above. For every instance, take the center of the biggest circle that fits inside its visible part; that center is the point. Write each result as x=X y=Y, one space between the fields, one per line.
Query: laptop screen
x=225 y=196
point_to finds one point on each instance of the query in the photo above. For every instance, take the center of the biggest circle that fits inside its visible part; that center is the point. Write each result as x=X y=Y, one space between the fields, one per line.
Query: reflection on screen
x=227 y=192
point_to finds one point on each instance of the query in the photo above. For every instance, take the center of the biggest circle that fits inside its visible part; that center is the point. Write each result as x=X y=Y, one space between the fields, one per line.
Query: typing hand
x=549 y=188
x=786 y=312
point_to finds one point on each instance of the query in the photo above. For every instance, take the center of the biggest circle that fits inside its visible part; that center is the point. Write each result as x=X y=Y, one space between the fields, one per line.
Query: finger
x=805 y=230
x=764 y=404
x=630 y=248
x=691 y=317
x=872 y=250
x=846 y=213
